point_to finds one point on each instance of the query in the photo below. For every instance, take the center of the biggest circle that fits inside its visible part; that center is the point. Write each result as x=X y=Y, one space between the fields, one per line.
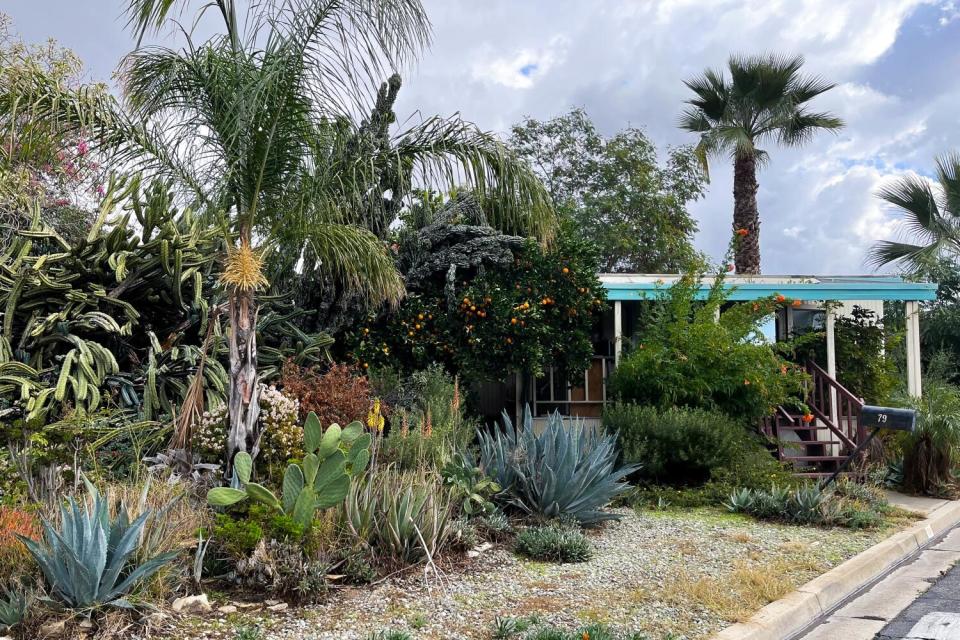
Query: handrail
x=833 y=382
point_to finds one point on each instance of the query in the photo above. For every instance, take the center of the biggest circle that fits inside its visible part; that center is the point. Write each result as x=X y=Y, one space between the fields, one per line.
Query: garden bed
x=687 y=573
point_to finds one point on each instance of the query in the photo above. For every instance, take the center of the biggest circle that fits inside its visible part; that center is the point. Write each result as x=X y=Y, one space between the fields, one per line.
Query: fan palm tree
x=256 y=126
x=931 y=215
x=765 y=99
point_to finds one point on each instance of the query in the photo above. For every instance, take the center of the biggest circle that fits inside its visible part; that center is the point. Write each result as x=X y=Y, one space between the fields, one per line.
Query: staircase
x=817 y=448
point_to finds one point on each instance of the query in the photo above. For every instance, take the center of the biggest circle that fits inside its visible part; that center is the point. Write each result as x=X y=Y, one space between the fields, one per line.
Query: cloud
x=520 y=70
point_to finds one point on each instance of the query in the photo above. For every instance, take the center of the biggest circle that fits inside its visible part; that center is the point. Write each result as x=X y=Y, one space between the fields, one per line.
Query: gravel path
x=689 y=573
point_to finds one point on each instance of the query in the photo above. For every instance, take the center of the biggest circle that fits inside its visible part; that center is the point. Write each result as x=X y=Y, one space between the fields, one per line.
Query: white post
x=913 y=348
x=832 y=360
x=617 y=332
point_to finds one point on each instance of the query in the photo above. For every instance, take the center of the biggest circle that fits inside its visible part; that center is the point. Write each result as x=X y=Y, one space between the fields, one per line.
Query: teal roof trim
x=867 y=288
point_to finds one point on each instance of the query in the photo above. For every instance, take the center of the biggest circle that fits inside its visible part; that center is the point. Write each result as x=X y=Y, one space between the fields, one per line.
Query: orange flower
x=807 y=418
x=585 y=635
x=797 y=303
x=780 y=297
x=566 y=270
x=742 y=232
x=746 y=382
x=756 y=307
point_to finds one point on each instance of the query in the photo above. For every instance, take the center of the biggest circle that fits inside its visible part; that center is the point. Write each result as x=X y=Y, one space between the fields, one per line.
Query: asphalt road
x=935 y=615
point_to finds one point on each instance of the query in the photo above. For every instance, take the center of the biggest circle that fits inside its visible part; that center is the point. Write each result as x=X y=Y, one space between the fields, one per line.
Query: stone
x=280 y=606
x=227 y=608
x=192 y=604
x=476 y=552
x=53 y=629
x=270 y=603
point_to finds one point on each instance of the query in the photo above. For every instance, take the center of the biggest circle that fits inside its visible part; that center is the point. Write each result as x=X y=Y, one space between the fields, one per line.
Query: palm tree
x=256 y=127
x=931 y=215
x=764 y=99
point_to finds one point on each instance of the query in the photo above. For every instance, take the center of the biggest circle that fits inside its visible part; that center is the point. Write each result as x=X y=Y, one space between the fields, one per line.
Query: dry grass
x=738 y=595
x=741 y=536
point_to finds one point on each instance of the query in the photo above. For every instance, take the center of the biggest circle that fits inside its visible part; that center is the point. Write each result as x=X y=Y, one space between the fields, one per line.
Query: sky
x=896 y=64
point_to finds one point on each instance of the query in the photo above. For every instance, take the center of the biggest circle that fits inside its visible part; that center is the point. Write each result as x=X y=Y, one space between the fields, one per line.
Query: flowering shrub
x=282 y=437
x=337 y=396
x=14 y=557
x=210 y=435
x=687 y=357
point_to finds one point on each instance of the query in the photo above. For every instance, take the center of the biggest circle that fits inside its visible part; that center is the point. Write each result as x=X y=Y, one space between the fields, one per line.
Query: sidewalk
x=875 y=609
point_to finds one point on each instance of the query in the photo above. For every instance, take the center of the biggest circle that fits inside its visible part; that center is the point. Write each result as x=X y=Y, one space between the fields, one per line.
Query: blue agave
x=89 y=562
x=569 y=470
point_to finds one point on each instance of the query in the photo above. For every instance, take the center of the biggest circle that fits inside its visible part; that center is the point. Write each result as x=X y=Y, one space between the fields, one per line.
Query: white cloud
x=520 y=70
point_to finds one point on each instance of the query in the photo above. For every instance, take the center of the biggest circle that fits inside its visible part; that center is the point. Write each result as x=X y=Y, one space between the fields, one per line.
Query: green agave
x=569 y=470
x=321 y=481
x=89 y=562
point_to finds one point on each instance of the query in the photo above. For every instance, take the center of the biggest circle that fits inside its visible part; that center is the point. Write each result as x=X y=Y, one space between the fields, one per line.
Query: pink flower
x=100 y=190
x=730 y=267
x=61 y=202
x=82 y=148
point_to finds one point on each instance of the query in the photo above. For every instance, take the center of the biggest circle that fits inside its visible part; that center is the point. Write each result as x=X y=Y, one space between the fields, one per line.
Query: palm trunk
x=745 y=215
x=244 y=403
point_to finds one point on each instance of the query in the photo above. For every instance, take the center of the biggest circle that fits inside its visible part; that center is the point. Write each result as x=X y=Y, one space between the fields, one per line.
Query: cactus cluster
x=321 y=481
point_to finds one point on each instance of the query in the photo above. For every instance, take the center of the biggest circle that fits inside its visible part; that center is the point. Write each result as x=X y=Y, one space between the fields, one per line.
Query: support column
x=912 y=313
x=617 y=332
x=832 y=358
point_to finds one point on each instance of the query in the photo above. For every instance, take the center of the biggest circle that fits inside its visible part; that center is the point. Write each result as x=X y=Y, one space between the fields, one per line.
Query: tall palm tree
x=765 y=99
x=930 y=214
x=256 y=125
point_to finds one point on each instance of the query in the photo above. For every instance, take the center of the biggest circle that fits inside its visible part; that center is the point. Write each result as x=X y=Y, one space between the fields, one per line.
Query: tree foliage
x=615 y=190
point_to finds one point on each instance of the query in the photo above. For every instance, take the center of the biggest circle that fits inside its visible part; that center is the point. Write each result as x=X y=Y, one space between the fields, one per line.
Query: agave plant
x=569 y=470
x=14 y=608
x=89 y=561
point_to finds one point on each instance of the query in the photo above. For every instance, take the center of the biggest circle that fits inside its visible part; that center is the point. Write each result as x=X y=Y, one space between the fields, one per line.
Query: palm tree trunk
x=244 y=402
x=745 y=215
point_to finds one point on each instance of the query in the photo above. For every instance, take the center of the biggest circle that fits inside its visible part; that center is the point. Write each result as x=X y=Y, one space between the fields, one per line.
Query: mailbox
x=888 y=418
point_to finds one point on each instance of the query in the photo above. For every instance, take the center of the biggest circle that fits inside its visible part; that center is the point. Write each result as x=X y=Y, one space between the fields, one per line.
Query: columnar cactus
x=332 y=458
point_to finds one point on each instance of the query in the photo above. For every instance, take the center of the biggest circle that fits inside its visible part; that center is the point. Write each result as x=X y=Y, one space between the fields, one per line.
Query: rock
x=227 y=608
x=245 y=605
x=192 y=604
x=280 y=606
x=477 y=551
x=270 y=603
x=53 y=629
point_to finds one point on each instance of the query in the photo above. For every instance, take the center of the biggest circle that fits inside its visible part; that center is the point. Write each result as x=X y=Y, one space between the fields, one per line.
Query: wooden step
x=815 y=458
x=804 y=427
x=820 y=474
x=809 y=443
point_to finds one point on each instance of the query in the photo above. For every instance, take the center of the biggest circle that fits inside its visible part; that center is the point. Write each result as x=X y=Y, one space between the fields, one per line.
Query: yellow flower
x=244 y=268
x=375 y=421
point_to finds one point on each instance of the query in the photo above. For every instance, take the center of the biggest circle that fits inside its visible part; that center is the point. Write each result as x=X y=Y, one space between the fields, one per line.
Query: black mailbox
x=888 y=418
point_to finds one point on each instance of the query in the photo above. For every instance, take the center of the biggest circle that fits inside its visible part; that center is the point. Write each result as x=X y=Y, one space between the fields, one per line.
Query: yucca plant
x=89 y=561
x=569 y=470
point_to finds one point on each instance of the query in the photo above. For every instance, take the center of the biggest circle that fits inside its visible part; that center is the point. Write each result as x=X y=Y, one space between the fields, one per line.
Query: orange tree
x=534 y=311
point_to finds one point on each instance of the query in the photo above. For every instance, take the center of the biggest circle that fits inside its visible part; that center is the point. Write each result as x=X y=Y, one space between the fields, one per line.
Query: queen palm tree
x=765 y=99
x=256 y=126
x=931 y=214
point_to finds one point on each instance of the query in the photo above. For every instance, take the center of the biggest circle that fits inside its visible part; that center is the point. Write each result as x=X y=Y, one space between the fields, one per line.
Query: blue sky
x=896 y=62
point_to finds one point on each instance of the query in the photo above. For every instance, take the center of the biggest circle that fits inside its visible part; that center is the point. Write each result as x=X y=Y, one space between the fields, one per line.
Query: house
x=835 y=430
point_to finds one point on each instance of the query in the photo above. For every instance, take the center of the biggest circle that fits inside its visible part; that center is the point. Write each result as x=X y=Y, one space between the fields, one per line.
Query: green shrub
x=686 y=357
x=391 y=634
x=568 y=470
x=553 y=543
x=676 y=446
x=930 y=452
x=237 y=537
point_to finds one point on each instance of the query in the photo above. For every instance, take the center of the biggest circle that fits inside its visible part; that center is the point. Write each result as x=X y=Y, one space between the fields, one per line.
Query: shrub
x=14 y=523
x=553 y=543
x=470 y=485
x=432 y=425
x=283 y=568
x=930 y=452
x=687 y=357
x=676 y=446
x=338 y=395
x=14 y=608
x=568 y=470
x=402 y=517
x=82 y=570
x=237 y=537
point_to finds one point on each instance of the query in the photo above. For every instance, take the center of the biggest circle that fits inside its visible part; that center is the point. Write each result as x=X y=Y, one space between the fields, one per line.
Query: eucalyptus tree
x=930 y=213
x=765 y=99
x=256 y=125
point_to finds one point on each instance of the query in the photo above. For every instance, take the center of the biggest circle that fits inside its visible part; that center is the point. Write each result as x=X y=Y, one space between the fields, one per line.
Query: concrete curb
x=792 y=614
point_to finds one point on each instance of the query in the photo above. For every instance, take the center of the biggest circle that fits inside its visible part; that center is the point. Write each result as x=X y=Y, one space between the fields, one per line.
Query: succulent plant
x=14 y=608
x=89 y=562
x=319 y=482
x=569 y=470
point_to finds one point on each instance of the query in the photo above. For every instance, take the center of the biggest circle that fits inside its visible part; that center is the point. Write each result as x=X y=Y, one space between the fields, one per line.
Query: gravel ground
x=658 y=573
